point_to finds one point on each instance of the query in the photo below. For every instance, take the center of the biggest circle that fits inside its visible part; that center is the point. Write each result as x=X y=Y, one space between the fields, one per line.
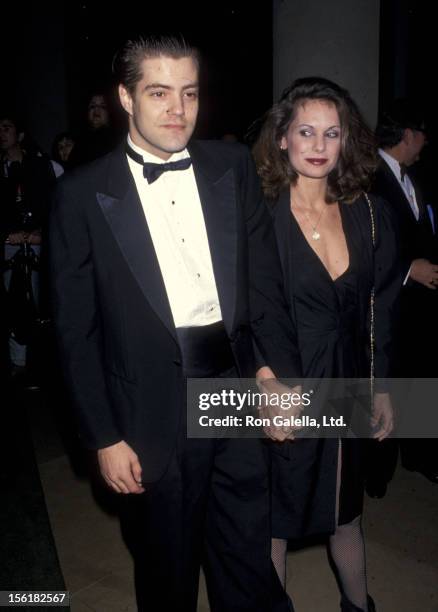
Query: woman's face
x=313 y=140
x=65 y=147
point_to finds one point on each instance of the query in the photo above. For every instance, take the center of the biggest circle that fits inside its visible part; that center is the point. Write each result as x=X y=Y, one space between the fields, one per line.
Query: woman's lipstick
x=317 y=161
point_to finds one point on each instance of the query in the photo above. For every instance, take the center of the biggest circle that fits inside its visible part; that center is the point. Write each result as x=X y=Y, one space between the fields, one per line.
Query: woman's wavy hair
x=357 y=159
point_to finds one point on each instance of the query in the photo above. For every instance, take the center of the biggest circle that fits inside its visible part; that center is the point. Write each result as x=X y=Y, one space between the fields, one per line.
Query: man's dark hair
x=399 y=116
x=127 y=61
x=357 y=159
x=13 y=117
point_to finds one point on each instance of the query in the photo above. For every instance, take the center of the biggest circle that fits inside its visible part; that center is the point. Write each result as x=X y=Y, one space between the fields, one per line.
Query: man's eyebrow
x=168 y=87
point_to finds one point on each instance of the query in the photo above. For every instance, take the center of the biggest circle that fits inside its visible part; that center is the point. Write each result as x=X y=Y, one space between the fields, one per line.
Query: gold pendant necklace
x=315 y=234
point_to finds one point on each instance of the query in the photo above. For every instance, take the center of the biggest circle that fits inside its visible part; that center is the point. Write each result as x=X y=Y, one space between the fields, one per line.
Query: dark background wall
x=55 y=53
x=407 y=68
x=58 y=54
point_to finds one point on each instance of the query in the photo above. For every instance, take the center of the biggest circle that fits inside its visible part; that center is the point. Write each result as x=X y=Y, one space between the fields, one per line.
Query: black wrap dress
x=331 y=319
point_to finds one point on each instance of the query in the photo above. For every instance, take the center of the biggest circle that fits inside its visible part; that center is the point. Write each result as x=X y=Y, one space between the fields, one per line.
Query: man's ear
x=20 y=137
x=408 y=135
x=125 y=99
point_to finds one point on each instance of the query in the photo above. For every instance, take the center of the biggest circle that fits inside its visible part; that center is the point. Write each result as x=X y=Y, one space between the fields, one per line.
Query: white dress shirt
x=175 y=220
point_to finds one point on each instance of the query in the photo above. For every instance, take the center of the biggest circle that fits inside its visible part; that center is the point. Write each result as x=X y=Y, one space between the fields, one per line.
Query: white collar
x=392 y=163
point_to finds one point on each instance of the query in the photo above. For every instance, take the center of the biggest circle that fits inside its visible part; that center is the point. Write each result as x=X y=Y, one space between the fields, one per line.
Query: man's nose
x=176 y=106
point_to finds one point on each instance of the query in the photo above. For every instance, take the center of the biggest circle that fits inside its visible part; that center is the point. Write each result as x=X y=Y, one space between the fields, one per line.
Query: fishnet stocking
x=279 y=555
x=347 y=551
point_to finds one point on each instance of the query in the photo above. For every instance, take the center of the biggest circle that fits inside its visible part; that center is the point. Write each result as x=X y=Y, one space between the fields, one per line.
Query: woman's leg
x=347 y=552
x=279 y=555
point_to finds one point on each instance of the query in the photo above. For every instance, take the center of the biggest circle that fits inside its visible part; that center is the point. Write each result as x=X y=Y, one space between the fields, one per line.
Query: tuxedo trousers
x=211 y=507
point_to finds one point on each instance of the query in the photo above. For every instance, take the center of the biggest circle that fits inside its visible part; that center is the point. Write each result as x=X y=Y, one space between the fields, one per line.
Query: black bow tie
x=153 y=171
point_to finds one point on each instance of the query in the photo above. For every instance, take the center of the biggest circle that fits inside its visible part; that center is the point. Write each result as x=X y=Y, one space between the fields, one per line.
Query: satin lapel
x=124 y=214
x=217 y=192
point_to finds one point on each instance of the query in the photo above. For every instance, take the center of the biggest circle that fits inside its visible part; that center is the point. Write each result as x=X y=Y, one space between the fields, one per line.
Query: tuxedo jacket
x=416 y=237
x=417 y=335
x=115 y=328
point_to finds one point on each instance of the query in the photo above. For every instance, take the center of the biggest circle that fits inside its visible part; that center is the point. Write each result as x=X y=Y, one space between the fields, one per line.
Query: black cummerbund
x=206 y=350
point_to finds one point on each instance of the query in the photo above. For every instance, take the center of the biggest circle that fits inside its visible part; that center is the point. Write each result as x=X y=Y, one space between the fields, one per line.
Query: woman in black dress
x=338 y=252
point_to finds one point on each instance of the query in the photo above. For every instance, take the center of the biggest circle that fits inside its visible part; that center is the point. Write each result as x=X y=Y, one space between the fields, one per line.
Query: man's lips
x=174 y=126
x=317 y=161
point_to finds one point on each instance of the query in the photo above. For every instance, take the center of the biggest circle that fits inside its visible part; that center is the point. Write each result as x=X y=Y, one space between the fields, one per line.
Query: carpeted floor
x=28 y=556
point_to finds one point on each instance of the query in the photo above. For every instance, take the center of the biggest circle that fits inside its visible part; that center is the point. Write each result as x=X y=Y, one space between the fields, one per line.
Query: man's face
x=414 y=142
x=163 y=110
x=8 y=135
x=97 y=113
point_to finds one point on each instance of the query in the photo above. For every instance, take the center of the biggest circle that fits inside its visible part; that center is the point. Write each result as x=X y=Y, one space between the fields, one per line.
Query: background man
x=98 y=136
x=401 y=136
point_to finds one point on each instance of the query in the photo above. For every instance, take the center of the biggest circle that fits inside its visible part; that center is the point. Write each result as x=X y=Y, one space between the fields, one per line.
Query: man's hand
x=383 y=416
x=424 y=272
x=120 y=468
x=16 y=238
x=274 y=389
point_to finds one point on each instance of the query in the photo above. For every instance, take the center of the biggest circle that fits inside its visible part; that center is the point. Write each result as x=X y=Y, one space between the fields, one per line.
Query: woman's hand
x=276 y=395
x=383 y=416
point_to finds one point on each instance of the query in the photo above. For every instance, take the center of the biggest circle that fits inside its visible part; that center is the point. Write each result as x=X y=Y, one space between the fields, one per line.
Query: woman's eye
x=305 y=133
x=333 y=134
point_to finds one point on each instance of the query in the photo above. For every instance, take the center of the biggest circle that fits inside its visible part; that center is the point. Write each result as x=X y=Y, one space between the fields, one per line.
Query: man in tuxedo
x=164 y=267
x=401 y=136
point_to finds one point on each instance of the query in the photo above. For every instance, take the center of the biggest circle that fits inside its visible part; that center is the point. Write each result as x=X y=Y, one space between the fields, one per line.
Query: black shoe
x=430 y=474
x=376 y=489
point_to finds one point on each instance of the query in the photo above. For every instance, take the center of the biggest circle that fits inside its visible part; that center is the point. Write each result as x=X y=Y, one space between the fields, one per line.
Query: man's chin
x=176 y=147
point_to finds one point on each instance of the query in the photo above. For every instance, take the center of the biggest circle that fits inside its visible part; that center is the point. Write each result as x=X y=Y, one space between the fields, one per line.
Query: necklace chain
x=315 y=234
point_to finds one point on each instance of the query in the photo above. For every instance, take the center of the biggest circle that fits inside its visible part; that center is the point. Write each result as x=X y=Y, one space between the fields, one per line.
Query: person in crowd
x=401 y=134
x=63 y=146
x=26 y=182
x=164 y=267
x=98 y=136
x=339 y=258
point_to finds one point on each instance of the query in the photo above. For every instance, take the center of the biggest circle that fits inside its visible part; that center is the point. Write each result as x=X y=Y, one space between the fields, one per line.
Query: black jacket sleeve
x=273 y=330
x=76 y=316
x=388 y=279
